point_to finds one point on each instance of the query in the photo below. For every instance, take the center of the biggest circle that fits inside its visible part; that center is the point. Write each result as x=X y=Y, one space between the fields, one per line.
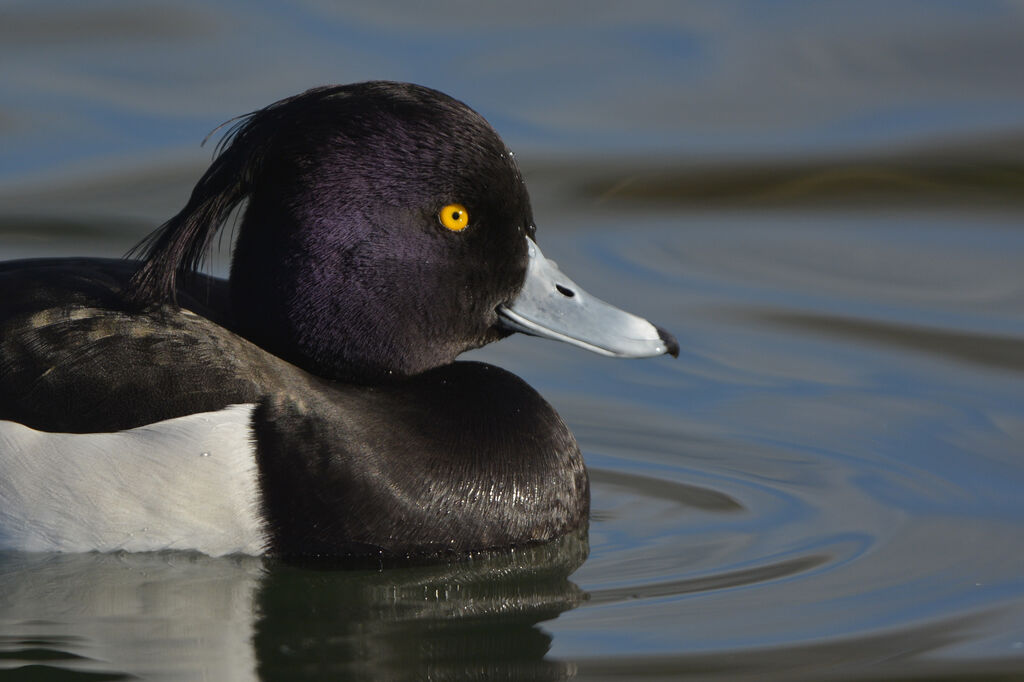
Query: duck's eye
x=455 y=217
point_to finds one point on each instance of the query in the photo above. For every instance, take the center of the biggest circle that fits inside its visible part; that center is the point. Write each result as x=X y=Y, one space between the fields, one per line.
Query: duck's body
x=311 y=406
x=446 y=461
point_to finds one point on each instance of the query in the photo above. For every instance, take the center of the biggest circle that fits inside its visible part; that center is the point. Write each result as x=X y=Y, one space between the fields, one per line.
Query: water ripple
x=716 y=581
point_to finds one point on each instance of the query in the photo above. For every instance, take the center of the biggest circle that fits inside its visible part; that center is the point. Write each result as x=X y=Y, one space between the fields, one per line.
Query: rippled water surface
x=823 y=203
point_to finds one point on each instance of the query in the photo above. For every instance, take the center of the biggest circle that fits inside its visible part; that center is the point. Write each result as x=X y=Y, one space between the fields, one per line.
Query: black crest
x=179 y=246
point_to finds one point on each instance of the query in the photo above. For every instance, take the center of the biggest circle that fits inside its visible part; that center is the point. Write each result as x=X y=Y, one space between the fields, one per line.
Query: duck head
x=388 y=230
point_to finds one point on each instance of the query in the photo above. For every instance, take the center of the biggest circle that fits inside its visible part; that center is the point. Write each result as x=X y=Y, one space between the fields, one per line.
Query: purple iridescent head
x=387 y=230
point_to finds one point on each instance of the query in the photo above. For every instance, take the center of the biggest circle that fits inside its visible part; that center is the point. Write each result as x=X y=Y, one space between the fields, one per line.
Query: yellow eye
x=455 y=217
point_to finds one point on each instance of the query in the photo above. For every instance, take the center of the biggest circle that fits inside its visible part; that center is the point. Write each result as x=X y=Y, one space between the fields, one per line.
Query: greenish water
x=823 y=202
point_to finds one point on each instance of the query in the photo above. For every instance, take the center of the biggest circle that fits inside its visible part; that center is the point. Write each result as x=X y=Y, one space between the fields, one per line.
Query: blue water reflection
x=114 y=80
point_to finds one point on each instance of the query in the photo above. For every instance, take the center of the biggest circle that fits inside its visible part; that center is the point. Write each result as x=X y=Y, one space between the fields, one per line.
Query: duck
x=311 y=403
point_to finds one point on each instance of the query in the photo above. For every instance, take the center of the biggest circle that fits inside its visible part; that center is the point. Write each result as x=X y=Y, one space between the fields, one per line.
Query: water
x=822 y=201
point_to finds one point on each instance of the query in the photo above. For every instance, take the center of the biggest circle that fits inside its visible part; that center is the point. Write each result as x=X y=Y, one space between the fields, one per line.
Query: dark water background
x=822 y=200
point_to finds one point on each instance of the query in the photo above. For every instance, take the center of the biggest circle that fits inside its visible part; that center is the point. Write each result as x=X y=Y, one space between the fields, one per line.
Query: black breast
x=464 y=457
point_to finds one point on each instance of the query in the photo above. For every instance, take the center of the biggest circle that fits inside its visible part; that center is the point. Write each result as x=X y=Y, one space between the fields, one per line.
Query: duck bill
x=552 y=306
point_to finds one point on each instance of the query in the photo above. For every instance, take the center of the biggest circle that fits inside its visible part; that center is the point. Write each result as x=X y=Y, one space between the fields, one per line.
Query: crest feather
x=179 y=246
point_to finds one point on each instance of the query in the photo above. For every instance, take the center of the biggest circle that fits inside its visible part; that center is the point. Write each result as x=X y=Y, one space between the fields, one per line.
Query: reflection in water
x=476 y=618
x=191 y=616
x=128 y=614
x=901 y=655
x=960 y=178
x=986 y=350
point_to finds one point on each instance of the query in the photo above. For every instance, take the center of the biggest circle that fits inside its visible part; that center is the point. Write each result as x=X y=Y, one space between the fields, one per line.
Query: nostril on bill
x=565 y=291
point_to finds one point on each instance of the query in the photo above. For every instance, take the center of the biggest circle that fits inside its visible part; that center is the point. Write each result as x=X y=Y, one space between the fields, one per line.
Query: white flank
x=188 y=483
